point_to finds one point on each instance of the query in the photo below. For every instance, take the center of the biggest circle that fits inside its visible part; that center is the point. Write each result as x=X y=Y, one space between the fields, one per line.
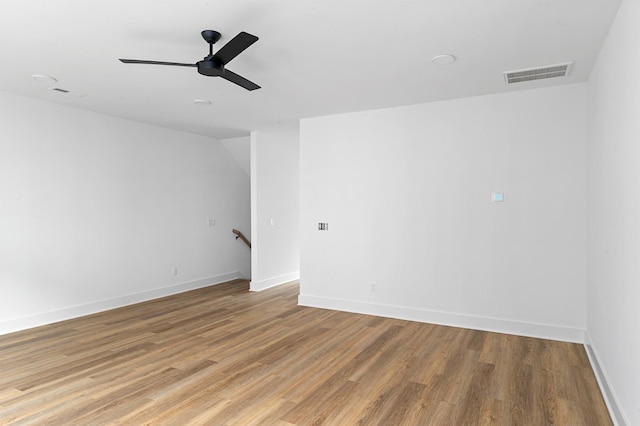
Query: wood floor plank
x=223 y=355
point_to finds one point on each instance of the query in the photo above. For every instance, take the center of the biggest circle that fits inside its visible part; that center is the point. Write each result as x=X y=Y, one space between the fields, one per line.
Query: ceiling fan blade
x=239 y=80
x=234 y=47
x=137 y=61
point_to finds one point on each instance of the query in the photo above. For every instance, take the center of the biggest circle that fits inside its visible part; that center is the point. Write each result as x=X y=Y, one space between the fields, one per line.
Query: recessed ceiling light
x=44 y=78
x=202 y=102
x=443 y=59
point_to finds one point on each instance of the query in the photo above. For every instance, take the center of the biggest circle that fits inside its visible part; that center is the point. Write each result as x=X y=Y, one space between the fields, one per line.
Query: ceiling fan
x=213 y=65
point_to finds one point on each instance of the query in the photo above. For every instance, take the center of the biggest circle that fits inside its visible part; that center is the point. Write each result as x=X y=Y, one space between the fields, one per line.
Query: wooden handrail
x=242 y=237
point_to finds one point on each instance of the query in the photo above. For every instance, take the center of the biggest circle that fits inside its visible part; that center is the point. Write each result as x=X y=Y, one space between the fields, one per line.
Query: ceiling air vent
x=550 y=71
x=67 y=92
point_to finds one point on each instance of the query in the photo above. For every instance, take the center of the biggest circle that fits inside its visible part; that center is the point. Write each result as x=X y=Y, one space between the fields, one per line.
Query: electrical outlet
x=374 y=287
x=174 y=271
x=211 y=222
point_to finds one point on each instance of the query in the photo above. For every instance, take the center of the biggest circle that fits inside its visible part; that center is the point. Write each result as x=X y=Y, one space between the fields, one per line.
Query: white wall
x=240 y=150
x=96 y=211
x=407 y=195
x=275 y=205
x=613 y=294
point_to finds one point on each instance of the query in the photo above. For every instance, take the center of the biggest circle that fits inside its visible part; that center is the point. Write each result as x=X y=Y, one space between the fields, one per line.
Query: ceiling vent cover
x=540 y=73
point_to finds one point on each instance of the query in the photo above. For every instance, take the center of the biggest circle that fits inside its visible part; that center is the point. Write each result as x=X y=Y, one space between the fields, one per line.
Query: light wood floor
x=224 y=356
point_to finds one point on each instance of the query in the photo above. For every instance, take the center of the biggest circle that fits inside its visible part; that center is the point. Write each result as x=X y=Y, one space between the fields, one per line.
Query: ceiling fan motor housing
x=210 y=68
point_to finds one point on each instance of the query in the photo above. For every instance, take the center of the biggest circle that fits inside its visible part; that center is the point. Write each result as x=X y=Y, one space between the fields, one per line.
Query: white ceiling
x=314 y=57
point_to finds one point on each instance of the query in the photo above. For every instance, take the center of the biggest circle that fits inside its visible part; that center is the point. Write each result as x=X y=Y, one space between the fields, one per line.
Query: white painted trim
x=544 y=331
x=618 y=416
x=272 y=282
x=44 y=318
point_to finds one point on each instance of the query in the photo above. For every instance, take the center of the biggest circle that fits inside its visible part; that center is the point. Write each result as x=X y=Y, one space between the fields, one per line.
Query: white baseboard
x=272 y=282
x=610 y=398
x=9 y=326
x=544 y=331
